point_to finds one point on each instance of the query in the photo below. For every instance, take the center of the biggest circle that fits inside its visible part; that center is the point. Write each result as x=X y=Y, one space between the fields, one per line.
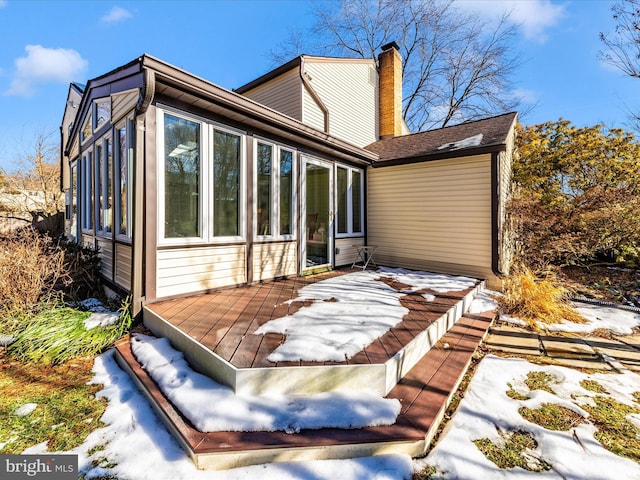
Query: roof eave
x=466 y=152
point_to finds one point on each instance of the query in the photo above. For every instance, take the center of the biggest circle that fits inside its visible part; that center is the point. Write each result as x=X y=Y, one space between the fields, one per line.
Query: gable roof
x=470 y=138
x=296 y=63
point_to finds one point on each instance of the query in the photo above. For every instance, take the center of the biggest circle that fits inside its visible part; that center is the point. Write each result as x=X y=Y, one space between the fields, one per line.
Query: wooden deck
x=224 y=321
x=424 y=394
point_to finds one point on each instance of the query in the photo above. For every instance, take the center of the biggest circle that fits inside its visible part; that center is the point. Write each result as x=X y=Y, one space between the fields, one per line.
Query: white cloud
x=116 y=14
x=45 y=65
x=535 y=17
x=525 y=95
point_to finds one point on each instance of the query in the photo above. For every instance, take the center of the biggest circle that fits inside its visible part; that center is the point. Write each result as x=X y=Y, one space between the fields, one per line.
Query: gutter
x=304 y=76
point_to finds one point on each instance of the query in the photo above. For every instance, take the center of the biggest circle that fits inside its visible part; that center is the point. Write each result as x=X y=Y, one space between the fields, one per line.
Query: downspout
x=495 y=214
x=305 y=82
x=138 y=226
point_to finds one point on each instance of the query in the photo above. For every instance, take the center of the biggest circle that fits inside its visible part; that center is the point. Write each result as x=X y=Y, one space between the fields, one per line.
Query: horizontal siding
x=312 y=113
x=282 y=94
x=105 y=252
x=122 y=103
x=432 y=213
x=272 y=260
x=123 y=266
x=190 y=270
x=349 y=96
x=348 y=248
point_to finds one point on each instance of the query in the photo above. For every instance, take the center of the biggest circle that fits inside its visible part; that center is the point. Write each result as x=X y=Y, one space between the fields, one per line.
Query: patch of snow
x=25 y=409
x=132 y=430
x=213 y=407
x=93 y=305
x=468 y=142
x=361 y=309
x=485 y=301
x=486 y=412
x=37 y=449
x=101 y=319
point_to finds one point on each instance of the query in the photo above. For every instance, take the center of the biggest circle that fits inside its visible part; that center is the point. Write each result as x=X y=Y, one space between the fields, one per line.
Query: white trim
x=206 y=180
x=350 y=233
x=274 y=214
x=306 y=160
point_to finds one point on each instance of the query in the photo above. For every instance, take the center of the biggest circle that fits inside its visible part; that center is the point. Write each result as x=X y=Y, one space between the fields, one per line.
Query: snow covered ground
x=134 y=444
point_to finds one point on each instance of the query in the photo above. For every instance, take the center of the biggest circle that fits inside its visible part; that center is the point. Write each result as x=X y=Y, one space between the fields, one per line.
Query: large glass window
x=86 y=191
x=286 y=192
x=274 y=190
x=181 y=177
x=226 y=184
x=73 y=230
x=265 y=160
x=99 y=187
x=349 y=196
x=122 y=183
x=102 y=112
x=107 y=206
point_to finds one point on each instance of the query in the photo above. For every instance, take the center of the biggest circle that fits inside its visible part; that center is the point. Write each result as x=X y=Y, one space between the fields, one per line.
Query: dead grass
x=30 y=268
x=66 y=412
x=536 y=299
x=551 y=416
x=513 y=450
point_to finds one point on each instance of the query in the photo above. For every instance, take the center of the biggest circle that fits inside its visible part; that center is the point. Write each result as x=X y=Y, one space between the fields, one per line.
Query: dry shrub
x=534 y=299
x=30 y=267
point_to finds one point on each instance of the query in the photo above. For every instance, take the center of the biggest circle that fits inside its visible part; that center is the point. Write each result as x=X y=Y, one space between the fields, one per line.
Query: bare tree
x=456 y=67
x=623 y=46
x=33 y=185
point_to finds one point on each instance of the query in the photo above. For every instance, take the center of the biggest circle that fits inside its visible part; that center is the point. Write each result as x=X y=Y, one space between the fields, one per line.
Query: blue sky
x=46 y=44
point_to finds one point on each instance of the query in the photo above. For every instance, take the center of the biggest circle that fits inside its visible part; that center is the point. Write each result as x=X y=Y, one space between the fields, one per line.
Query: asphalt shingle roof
x=479 y=134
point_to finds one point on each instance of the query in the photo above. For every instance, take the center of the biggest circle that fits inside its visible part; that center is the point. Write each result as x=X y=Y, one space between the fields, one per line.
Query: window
x=181 y=177
x=201 y=178
x=102 y=112
x=274 y=191
x=122 y=185
x=227 y=200
x=86 y=128
x=86 y=191
x=104 y=185
x=73 y=202
x=349 y=195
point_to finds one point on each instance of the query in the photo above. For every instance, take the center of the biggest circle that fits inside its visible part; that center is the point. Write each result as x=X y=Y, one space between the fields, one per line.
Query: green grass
x=67 y=410
x=540 y=381
x=592 y=386
x=615 y=432
x=551 y=416
x=57 y=335
x=513 y=394
x=515 y=450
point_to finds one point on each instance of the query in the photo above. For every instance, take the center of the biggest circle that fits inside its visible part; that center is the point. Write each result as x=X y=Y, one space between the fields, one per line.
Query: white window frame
x=349 y=232
x=275 y=191
x=206 y=197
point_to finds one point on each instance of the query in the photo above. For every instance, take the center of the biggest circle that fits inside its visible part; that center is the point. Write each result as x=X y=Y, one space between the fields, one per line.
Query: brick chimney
x=390 y=91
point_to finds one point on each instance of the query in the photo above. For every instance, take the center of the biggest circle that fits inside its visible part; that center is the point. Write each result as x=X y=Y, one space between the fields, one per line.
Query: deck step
x=377 y=376
x=424 y=392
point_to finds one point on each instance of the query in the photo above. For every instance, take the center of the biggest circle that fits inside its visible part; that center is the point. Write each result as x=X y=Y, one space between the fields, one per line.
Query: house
x=186 y=187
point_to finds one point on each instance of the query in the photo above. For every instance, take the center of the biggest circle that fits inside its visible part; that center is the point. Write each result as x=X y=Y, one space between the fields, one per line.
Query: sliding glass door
x=317 y=241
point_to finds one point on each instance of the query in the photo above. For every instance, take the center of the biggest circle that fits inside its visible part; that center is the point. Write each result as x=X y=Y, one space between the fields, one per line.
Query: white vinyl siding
x=433 y=215
x=283 y=94
x=347 y=248
x=272 y=260
x=350 y=97
x=123 y=266
x=312 y=114
x=191 y=270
